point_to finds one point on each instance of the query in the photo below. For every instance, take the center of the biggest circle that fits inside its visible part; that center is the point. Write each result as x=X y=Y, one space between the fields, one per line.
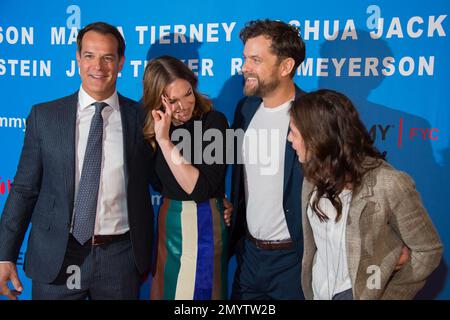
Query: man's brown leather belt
x=98 y=240
x=271 y=244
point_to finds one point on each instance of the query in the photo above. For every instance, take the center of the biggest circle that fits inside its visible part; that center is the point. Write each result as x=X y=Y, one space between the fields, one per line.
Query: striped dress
x=191 y=251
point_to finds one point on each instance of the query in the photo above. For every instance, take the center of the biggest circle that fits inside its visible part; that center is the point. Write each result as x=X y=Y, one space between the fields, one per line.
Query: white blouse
x=330 y=273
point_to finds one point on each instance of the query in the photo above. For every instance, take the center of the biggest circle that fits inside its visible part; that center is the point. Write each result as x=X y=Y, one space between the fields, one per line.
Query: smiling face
x=261 y=67
x=181 y=99
x=99 y=64
x=298 y=144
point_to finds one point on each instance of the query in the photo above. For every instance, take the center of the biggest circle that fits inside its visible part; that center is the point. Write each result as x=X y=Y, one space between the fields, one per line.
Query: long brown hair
x=159 y=73
x=337 y=145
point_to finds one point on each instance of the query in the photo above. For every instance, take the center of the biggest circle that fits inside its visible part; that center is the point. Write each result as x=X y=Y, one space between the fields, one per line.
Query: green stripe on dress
x=174 y=249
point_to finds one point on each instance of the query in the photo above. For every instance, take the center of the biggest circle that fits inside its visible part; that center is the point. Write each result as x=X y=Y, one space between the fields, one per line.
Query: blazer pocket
x=43 y=213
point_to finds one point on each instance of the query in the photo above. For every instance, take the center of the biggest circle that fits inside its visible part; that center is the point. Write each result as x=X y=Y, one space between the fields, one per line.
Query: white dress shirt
x=112 y=211
x=330 y=273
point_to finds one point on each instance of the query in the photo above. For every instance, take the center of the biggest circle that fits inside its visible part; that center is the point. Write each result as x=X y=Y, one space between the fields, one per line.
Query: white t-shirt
x=263 y=154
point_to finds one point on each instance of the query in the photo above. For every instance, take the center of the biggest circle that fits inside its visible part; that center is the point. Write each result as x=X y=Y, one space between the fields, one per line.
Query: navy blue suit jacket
x=43 y=188
x=293 y=179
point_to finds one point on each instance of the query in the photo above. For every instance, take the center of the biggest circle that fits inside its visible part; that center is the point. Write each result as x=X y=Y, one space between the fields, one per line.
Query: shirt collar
x=283 y=106
x=85 y=100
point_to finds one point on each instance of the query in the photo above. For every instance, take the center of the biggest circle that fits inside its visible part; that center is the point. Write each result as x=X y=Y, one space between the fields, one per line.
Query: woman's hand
x=404 y=257
x=228 y=211
x=162 y=120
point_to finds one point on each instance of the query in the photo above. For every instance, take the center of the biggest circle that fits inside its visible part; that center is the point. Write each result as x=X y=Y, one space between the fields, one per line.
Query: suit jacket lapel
x=353 y=238
x=306 y=190
x=289 y=160
x=309 y=248
x=290 y=154
x=67 y=117
x=249 y=111
x=129 y=128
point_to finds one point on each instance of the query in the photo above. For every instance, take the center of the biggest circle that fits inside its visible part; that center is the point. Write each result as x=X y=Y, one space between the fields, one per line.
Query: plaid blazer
x=386 y=212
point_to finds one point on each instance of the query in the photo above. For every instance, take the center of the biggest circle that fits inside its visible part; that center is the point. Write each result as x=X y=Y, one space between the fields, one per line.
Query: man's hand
x=8 y=272
x=228 y=211
x=403 y=258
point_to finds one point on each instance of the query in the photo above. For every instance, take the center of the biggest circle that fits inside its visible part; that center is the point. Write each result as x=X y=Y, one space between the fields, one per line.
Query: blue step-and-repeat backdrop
x=391 y=57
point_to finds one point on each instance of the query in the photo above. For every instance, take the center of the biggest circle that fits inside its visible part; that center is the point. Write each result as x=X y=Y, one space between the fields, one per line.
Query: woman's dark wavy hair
x=337 y=145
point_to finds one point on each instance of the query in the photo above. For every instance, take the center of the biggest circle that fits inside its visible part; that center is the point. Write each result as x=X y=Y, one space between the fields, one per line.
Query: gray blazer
x=385 y=213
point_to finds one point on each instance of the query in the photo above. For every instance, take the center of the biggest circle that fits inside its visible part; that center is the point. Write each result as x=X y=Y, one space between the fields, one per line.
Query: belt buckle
x=264 y=244
x=96 y=240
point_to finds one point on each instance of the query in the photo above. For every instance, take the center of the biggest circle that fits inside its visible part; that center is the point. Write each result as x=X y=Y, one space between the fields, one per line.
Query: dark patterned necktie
x=87 y=197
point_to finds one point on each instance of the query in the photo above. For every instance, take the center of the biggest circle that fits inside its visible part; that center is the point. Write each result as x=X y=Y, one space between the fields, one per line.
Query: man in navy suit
x=84 y=186
x=266 y=232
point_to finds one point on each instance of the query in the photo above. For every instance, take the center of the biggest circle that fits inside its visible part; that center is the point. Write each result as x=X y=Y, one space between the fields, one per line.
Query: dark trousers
x=266 y=274
x=100 y=272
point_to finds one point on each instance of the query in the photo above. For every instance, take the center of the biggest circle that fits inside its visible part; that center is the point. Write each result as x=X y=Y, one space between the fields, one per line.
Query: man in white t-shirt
x=266 y=232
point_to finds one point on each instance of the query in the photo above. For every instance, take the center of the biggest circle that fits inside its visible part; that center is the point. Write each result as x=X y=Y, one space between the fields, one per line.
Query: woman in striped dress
x=192 y=234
